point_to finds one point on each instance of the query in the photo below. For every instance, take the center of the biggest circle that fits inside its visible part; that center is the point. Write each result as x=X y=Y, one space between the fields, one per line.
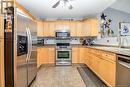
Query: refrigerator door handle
x=30 y=44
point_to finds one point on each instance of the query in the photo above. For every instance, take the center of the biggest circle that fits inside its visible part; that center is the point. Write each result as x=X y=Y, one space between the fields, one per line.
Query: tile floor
x=60 y=76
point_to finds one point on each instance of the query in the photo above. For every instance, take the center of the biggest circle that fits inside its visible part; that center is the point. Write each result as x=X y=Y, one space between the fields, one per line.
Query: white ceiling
x=82 y=8
x=122 y=5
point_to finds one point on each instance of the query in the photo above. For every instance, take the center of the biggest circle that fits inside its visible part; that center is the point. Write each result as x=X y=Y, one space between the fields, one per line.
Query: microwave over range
x=62 y=34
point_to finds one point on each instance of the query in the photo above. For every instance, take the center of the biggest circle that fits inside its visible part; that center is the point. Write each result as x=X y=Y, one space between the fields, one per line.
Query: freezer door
x=32 y=67
x=22 y=59
x=32 y=61
x=22 y=71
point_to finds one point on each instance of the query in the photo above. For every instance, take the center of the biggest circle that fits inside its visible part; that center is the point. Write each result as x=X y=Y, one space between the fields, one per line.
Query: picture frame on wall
x=124 y=28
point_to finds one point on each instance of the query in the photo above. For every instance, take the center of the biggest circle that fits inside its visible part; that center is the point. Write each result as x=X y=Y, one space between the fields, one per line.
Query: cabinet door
x=91 y=61
x=1 y=27
x=73 y=30
x=67 y=24
x=81 y=55
x=40 y=29
x=39 y=57
x=79 y=29
x=87 y=28
x=96 y=65
x=59 y=25
x=94 y=27
x=75 y=55
x=43 y=55
x=1 y=62
x=86 y=58
x=52 y=29
x=51 y=59
x=46 y=29
x=107 y=71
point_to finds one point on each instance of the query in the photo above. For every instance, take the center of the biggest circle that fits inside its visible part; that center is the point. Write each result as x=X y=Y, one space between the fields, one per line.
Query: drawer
x=108 y=56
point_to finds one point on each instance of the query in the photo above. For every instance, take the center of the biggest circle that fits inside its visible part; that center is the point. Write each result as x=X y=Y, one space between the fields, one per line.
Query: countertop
x=116 y=50
x=121 y=51
x=46 y=46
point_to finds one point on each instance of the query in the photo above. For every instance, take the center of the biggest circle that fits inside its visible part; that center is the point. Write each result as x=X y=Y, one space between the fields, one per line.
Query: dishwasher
x=123 y=71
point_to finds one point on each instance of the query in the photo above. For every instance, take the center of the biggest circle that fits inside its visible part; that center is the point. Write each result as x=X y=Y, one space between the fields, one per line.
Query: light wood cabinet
x=94 y=27
x=1 y=51
x=86 y=58
x=75 y=55
x=46 y=29
x=107 y=71
x=52 y=29
x=90 y=27
x=78 y=54
x=81 y=54
x=1 y=27
x=1 y=62
x=51 y=55
x=87 y=27
x=45 y=55
x=73 y=30
x=79 y=29
x=40 y=29
x=103 y=64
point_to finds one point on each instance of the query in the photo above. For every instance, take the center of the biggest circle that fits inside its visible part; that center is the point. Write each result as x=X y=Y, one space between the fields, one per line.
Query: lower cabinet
x=107 y=71
x=45 y=55
x=75 y=55
x=78 y=54
x=103 y=66
x=81 y=54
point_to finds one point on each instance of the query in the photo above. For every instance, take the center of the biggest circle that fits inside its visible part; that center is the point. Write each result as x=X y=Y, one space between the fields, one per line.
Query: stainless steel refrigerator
x=26 y=50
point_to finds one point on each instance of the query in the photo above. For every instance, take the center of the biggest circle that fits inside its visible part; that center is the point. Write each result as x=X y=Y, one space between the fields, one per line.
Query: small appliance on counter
x=40 y=41
x=88 y=41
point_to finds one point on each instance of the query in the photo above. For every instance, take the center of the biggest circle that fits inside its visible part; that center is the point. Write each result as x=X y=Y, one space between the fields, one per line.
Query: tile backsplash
x=52 y=41
x=113 y=41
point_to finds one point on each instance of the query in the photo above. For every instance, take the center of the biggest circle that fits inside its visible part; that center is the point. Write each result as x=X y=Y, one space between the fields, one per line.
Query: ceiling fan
x=65 y=3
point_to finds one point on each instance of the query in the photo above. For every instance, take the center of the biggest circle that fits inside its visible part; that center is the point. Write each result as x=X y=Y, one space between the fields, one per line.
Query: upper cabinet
x=62 y=25
x=79 y=29
x=87 y=27
x=46 y=29
x=94 y=27
x=51 y=29
x=1 y=27
x=40 y=28
x=73 y=30
x=90 y=27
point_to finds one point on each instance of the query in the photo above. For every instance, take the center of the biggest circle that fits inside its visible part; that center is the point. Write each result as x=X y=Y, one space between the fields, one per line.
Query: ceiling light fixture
x=65 y=3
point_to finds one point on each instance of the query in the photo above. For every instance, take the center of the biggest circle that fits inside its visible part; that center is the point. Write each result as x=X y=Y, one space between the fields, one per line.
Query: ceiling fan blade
x=70 y=7
x=54 y=6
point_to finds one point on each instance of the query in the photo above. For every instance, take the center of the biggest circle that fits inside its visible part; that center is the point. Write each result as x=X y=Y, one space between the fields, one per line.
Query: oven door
x=63 y=55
